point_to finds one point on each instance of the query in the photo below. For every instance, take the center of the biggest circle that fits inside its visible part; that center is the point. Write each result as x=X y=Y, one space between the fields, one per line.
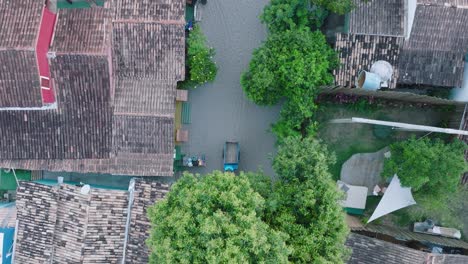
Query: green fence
x=8 y=181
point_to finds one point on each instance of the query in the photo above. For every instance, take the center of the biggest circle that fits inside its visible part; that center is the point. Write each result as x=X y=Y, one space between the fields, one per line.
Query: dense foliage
x=290 y=65
x=200 y=62
x=336 y=6
x=213 y=219
x=303 y=202
x=282 y=15
x=431 y=168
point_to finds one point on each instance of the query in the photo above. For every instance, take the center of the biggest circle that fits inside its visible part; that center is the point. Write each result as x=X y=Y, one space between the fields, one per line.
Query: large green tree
x=432 y=168
x=304 y=202
x=213 y=219
x=289 y=65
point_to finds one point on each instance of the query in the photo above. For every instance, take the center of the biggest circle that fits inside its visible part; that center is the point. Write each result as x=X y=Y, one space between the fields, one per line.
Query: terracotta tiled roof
x=58 y=224
x=377 y=17
x=145 y=97
x=359 y=52
x=19 y=79
x=19 y=23
x=407 y=235
x=19 y=75
x=116 y=95
x=80 y=128
x=149 y=50
x=143 y=134
x=433 y=55
x=82 y=31
x=366 y=250
x=150 y=10
x=146 y=194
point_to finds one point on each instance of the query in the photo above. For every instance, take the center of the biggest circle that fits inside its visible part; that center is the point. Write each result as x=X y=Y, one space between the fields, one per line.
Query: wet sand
x=220 y=111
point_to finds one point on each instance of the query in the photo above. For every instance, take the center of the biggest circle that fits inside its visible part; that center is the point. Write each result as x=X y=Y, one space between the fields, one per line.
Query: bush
x=202 y=68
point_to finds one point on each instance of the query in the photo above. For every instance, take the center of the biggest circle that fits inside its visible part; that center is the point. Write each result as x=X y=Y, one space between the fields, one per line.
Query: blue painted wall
x=8 y=236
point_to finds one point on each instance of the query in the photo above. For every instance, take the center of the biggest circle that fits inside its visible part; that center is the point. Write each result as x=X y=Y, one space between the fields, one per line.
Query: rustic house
x=425 y=41
x=72 y=224
x=92 y=87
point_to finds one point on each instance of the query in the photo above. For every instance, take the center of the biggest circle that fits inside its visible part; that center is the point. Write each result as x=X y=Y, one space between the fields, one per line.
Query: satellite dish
x=85 y=189
x=383 y=69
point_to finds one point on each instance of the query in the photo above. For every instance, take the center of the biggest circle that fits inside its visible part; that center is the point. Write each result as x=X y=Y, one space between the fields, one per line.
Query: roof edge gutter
x=131 y=197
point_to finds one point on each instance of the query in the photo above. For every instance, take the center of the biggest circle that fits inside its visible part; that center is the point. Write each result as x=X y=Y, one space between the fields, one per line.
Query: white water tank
x=383 y=69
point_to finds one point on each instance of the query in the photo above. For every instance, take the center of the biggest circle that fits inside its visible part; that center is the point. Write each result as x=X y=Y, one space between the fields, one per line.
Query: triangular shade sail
x=395 y=198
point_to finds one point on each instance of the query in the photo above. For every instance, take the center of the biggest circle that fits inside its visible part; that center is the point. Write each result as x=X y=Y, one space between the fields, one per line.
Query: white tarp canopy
x=395 y=198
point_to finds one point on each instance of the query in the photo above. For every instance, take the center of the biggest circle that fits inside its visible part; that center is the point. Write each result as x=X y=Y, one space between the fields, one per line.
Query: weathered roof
x=431 y=67
x=59 y=224
x=150 y=10
x=145 y=97
x=143 y=134
x=367 y=250
x=19 y=79
x=407 y=235
x=19 y=23
x=377 y=17
x=115 y=69
x=82 y=30
x=146 y=194
x=79 y=129
x=358 y=52
x=435 y=51
x=19 y=75
x=452 y=3
x=149 y=50
x=433 y=54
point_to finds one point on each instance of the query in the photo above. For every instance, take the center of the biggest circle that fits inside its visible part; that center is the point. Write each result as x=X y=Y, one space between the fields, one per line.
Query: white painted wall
x=411 y=9
x=461 y=94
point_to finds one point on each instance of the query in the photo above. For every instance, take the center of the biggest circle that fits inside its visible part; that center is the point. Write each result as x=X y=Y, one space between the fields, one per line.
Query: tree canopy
x=200 y=62
x=282 y=15
x=303 y=202
x=289 y=65
x=432 y=168
x=213 y=219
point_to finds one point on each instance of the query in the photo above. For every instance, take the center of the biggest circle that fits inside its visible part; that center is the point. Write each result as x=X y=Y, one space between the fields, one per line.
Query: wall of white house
x=461 y=94
x=409 y=16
